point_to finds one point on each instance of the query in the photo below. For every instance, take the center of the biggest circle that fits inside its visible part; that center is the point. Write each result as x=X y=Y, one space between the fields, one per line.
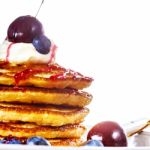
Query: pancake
x=45 y=96
x=26 y=130
x=46 y=76
x=57 y=141
x=66 y=142
x=42 y=114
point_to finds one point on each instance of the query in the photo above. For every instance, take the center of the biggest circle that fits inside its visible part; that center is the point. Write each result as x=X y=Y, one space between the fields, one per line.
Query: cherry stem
x=39 y=8
x=139 y=130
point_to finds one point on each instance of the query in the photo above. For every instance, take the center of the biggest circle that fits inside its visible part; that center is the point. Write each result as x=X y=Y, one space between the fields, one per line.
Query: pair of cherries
x=28 y=29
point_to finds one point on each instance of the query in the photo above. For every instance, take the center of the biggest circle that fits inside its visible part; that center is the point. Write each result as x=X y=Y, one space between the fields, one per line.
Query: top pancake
x=46 y=76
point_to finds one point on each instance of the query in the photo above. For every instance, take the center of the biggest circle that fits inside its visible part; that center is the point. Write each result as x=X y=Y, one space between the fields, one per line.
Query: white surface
x=106 y=39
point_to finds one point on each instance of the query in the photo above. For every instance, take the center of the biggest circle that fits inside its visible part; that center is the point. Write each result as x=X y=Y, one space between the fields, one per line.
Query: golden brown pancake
x=26 y=130
x=58 y=141
x=46 y=76
x=42 y=114
x=66 y=142
x=45 y=96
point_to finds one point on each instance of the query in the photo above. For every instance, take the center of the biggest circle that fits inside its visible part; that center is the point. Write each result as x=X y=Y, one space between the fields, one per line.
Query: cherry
x=110 y=133
x=24 y=29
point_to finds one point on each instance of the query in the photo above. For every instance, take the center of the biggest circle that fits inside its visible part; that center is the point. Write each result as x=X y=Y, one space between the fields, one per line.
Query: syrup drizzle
x=8 y=52
x=66 y=74
x=52 y=53
x=25 y=74
x=53 y=69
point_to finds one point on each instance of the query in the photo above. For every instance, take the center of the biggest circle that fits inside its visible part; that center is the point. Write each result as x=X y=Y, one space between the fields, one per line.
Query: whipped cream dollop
x=21 y=53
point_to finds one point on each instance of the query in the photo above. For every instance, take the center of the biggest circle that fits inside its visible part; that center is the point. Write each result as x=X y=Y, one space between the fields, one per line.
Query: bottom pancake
x=53 y=142
x=26 y=130
x=66 y=142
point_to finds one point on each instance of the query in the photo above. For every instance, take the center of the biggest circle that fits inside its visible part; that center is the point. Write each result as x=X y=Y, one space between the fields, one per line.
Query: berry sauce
x=8 y=52
x=25 y=74
x=58 y=73
x=52 y=53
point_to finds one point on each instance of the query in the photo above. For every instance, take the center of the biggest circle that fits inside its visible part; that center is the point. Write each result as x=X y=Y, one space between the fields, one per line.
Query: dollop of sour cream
x=22 y=53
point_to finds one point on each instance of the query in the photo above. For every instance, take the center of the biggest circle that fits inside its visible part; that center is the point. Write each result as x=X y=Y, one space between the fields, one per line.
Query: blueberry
x=13 y=141
x=94 y=143
x=36 y=140
x=2 y=141
x=42 y=44
x=10 y=141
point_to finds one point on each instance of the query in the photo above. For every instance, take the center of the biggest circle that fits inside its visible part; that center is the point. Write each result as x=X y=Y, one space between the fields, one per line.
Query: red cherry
x=110 y=133
x=24 y=29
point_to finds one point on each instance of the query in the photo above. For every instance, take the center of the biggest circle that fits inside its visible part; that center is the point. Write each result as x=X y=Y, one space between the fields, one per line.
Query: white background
x=108 y=40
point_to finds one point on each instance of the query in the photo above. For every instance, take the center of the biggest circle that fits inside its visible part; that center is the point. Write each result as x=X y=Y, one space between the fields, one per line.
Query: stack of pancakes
x=43 y=100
